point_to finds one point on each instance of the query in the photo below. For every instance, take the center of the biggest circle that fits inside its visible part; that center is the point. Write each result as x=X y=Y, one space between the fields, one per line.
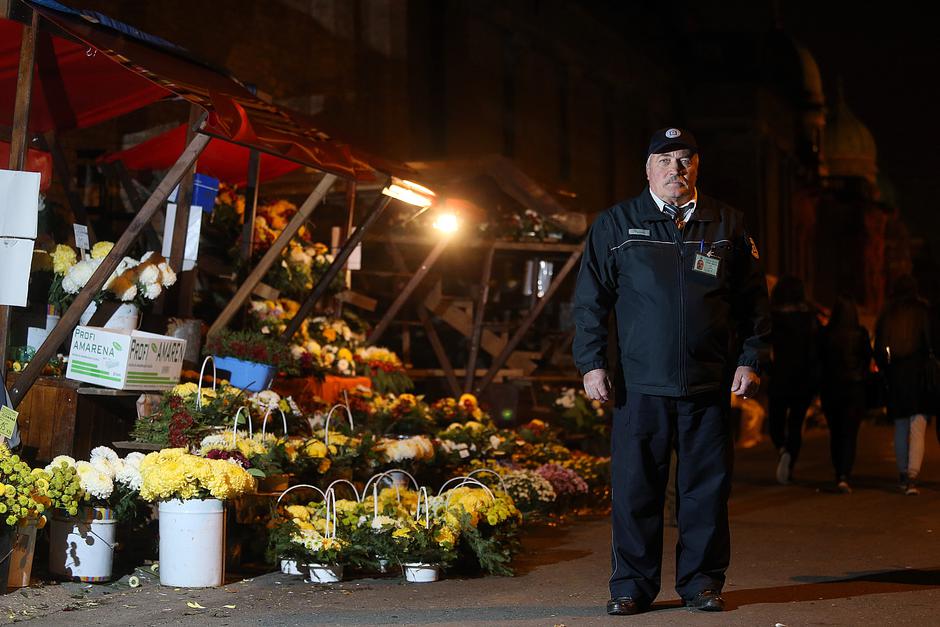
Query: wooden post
x=438 y=347
x=500 y=359
x=273 y=254
x=108 y=264
x=339 y=262
x=19 y=143
x=251 y=204
x=187 y=280
x=405 y=293
x=478 y=319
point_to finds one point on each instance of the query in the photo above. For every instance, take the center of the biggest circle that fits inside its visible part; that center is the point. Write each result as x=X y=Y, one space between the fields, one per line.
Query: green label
x=8 y=418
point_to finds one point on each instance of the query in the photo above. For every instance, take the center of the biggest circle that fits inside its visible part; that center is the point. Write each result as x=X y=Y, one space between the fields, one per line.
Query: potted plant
x=191 y=491
x=322 y=552
x=252 y=358
x=82 y=539
x=22 y=503
x=424 y=546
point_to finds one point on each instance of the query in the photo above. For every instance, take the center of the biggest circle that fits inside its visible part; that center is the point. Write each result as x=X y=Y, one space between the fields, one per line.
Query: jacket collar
x=705 y=209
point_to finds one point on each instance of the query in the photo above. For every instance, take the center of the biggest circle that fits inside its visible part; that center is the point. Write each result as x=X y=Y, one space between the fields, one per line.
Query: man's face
x=672 y=175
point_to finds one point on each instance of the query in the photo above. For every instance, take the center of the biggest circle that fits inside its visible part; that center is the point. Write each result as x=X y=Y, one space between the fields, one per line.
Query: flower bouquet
x=301 y=267
x=531 y=492
x=402 y=414
x=251 y=357
x=449 y=410
x=24 y=496
x=489 y=525
x=270 y=317
x=424 y=545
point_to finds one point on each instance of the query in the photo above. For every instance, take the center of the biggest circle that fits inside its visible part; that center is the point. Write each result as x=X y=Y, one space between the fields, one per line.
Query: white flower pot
x=325 y=573
x=290 y=567
x=82 y=547
x=421 y=573
x=126 y=316
x=192 y=544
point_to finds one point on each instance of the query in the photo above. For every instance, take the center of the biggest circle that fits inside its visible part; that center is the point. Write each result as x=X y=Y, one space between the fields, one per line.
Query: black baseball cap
x=669 y=139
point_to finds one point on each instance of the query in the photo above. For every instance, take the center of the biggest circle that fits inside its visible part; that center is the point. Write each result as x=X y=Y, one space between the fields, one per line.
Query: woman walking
x=845 y=355
x=901 y=351
x=794 y=371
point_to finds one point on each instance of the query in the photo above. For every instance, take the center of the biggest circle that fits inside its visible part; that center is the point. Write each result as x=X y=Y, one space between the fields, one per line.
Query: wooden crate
x=63 y=417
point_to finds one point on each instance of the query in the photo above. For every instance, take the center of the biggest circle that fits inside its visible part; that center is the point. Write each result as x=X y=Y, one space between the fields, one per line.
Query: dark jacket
x=901 y=351
x=845 y=353
x=795 y=368
x=674 y=324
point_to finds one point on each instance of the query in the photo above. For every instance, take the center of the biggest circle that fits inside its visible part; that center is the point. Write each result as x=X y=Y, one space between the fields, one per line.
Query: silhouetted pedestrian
x=794 y=373
x=901 y=351
x=845 y=355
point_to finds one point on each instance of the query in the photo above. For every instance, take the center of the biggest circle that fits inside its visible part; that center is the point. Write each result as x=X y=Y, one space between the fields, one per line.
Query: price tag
x=81 y=238
x=8 y=418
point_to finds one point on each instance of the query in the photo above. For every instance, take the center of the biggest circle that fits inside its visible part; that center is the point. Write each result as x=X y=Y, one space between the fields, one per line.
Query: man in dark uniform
x=683 y=278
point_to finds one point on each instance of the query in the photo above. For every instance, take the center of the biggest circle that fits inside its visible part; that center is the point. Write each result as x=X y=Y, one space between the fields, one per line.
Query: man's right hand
x=597 y=385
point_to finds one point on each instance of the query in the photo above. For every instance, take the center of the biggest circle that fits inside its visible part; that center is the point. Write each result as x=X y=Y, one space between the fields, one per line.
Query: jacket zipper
x=679 y=248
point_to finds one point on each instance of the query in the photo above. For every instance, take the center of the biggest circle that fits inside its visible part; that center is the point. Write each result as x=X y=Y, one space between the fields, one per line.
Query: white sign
x=81 y=237
x=16 y=258
x=19 y=203
x=125 y=360
x=191 y=250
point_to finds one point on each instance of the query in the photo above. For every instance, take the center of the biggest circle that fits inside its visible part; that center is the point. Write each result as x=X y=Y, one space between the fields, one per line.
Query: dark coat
x=674 y=323
x=845 y=359
x=795 y=368
x=901 y=350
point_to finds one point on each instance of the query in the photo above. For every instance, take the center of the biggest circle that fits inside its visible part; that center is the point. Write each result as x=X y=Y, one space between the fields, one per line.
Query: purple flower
x=564 y=480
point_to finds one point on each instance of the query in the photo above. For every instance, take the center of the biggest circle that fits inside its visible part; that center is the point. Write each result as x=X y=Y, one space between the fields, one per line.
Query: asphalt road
x=803 y=554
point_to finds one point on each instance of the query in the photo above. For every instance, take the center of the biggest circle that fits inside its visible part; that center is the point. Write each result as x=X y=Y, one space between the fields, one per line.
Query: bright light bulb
x=447 y=222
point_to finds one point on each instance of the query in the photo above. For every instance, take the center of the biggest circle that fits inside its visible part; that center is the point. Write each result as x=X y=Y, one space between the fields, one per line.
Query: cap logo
x=673 y=133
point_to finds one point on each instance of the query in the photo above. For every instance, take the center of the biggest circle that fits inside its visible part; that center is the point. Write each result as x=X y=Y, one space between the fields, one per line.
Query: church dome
x=849 y=145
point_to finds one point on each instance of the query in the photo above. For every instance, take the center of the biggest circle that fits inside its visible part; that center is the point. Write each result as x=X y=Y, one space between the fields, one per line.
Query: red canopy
x=98 y=69
x=73 y=86
x=223 y=160
x=36 y=161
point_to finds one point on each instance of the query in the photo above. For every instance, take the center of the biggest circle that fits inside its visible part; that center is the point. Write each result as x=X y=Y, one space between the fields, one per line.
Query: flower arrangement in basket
x=449 y=410
x=402 y=414
x=469 y=440
x=187 y=413
x=384 y=368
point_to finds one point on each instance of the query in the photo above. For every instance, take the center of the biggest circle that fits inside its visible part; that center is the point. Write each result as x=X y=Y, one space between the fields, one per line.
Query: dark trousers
x=786 y=422
x=645 y=430
x=843 y=436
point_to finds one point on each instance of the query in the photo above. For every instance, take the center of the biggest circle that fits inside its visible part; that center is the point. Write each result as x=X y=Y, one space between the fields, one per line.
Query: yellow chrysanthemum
x=101 y=250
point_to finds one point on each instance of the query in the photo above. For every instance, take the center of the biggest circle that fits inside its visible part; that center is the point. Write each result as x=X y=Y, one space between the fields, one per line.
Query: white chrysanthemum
x=167 y=275
x=383 y=522
x=94 y=482
x=147 y=255
x=129 y=294
x=134 y=459
x=149 y=275
x=106 y=466
x=58 y=459
x=123 y=266
x=152 y=290
x=129 y=477
x=105 y=452
x=267 y=399
x=78 y=275
x=297 y=351
x=217 y=442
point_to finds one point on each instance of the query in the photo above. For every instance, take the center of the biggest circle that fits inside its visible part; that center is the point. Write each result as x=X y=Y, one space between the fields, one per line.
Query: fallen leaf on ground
x=194 y=605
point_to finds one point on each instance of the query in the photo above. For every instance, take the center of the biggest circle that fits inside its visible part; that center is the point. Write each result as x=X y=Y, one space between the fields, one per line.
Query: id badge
x=705 y=264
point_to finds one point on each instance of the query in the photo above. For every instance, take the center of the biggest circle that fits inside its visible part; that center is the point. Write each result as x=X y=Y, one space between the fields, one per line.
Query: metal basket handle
x=351 y=485
x=502 y=483
x=468 y=480
x=235 y=424
x=300 y=485
x=264 y=422
x=202 y=370
x=326 y=426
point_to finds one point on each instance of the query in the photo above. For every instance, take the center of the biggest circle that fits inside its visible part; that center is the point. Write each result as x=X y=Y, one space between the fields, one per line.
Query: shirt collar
x=687 y=209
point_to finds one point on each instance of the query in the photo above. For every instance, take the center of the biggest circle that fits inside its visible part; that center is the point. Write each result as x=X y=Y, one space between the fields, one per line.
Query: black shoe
x=707 y=601
x=623 y=606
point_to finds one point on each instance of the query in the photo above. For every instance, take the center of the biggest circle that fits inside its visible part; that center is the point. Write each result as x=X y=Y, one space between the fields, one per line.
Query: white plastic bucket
x=290 y=567
x=325 y=573
x=192 y=543
x=421 y=573
x=82 y=547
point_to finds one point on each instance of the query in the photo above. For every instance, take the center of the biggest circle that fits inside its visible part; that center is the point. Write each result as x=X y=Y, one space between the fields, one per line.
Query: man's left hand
x=746 y=382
